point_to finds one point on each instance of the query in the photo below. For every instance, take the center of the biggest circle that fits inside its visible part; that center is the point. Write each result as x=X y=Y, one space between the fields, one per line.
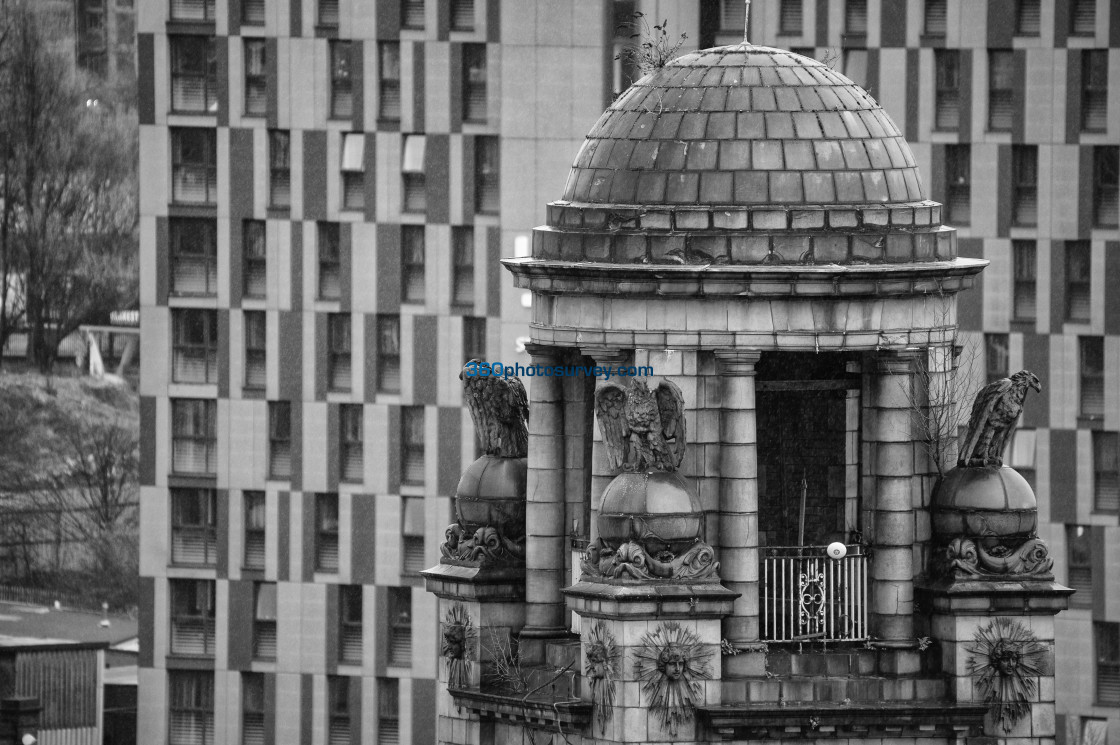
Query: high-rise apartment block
x=326 y=189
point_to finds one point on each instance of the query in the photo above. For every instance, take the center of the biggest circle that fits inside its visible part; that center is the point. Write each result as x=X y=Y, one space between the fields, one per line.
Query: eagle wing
x=610 y=410
x=473 y=396
x=515 y=416
x=670 y=405
x=982 y=408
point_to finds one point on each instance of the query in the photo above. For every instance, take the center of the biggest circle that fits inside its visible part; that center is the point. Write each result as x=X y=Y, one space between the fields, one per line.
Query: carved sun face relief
x=457 y=645
x=671 y=662
x=1006 y=658
x=601 y=670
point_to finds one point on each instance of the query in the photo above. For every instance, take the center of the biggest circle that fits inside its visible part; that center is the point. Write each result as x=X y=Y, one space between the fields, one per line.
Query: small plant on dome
x=649 y=48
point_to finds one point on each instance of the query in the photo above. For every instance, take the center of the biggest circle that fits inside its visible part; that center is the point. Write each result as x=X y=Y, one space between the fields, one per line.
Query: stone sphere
x=492 y=492
x=654 y=509
x=986 y=501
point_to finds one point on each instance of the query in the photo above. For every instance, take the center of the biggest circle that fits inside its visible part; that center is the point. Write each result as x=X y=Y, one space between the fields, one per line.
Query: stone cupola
x=746 y=230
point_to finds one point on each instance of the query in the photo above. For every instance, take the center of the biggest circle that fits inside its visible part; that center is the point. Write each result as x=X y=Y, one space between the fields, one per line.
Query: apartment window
x=192 y=617
x=935 y=19
x=1078 y=281
x=1108 y=663
x=190 y=704
x=353 y=171
x=958 y=177
x=342 y=94
x=400 y=626
x=194 y=74
x=254 y=262
x=194 y=436
x=252 y=12
x=1001 y=96
x=474 y=338
x=252 y=709
x=1106 y=471
x=254 y=505
x=279 y=440
x=194 y=165
x=855 y=17
x=487 y=195
x=194 y=349
x=326 y=532
x=412 y=535
x=462 y=15
x=462 y=278
x=280 y=168
x=194 y=256
x=330 y=261
x=192 y=10
x=995 y=356
x=412 y=444
x=474 y=83
x=388 y=354
x=350 y=624
x=855 y=66
x=256 y=346
x=1092 y=376
x=1079 y=551
x=1028 y=18
x=412 y=173
x=389 y=80
x=352 y=441
x=732 y=16
x=1024 y=184
x=328 y=13
x=1094 y=90
x=256 y=81
x=412 y=263
x=194 y=527
x=1083 y=17
x=338 y=709
x=412 y=14
x=1022 y=455
x=388 y=711
x=264 y=620
x=1025 y=273
x=948 y=89
x=1106 y=186
x=338 y=349
x=790 y=18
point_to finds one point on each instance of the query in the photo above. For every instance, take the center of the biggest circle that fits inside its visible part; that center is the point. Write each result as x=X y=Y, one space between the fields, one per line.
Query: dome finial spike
x=747 y=22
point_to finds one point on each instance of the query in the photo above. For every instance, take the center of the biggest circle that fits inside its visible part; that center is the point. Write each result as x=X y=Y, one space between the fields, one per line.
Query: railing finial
x=747 y=22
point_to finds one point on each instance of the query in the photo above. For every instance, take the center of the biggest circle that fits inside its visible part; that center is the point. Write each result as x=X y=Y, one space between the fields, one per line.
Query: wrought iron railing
x=807 y=596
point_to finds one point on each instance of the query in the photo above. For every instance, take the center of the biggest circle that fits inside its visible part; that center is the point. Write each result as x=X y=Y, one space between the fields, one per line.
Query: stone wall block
x=894 y=529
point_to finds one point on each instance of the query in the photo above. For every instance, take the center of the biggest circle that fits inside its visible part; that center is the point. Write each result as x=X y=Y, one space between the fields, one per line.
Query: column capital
x=737 y=361
x=896 y=361
x=606 y=356
x=537 y=350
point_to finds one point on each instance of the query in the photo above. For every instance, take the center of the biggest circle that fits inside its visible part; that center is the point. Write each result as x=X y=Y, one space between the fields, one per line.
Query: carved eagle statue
x=643 y=429
x=995 y=412
x=500 y=410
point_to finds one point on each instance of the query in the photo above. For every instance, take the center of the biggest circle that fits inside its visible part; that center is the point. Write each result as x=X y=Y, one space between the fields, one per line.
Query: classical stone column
x=738 y=494
x=544 y=511
x=890 y=438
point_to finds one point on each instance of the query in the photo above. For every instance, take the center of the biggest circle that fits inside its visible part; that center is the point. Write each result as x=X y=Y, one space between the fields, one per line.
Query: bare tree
x=68 y=226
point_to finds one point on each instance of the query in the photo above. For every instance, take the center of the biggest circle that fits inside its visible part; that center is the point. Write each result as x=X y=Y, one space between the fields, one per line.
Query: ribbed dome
x=744 y=125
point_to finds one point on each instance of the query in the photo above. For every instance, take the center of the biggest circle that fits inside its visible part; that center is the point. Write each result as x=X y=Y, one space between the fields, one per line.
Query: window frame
x=388 y=711
x=997 y=356
x=461 y=9
x=1106 y=465
x=279 y=440
x=1024 y=185
x=341 y=67
x=488 y=168
x=476 y=73
x=326 y=14
x=388 y=325
x=474 y=331
x=266 y=615
x=413 y=264
x=254 y=62
x=202 y=430
x=340 y=367
x=338 y=709
x=329 y=249
x=1106 y=186
x=208 y=14
x=1024 y=275
x=200 y=711
x=1079 y=564
x=1106 y=643
x=410 y=11
x=352 y=170
x=184 y=169
x=462 y=260
x=413 y=433
x=935 y=19
x=252 y=707
x=412 y=536
x=947 y=90
x=350 y=615
x=185 y=349
x=200 y=598
x=1091 y=350
x=1034 y=17
x=1001 y=90
x=791 y=18
x=326 y=532
x=855 y=18
x=400 y=624
x=254 y=263
x=254 y=507
x=958 y=183
x=1094 y=90
x=255 y=336
x=193 y=73
x=1079 y=281
x=180 y=230
x=279 y=169
x=389 y=81
x=1079 y=10
x=204 y=529
x=351 y=423
x=414 y=183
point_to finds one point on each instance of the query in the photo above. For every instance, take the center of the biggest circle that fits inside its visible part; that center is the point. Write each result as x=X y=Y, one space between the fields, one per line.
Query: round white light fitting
x=836 y=550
